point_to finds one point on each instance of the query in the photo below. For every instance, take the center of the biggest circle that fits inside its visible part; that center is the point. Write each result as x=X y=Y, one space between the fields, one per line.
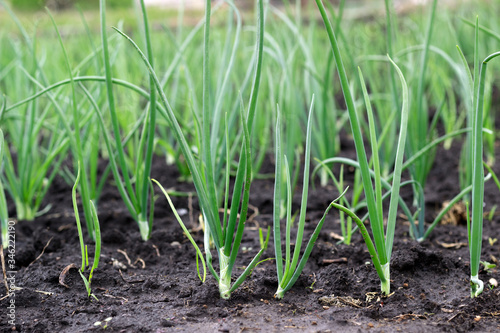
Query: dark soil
x=159 y=291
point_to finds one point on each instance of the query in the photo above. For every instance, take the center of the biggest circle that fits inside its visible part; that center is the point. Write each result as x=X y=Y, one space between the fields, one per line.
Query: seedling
x=103 y=324
x=290 y=272
x=97 y=251
x=488 y=266
x=491 y=213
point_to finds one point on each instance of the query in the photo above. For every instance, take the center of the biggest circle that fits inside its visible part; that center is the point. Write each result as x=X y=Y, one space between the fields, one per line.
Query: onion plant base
x=279 y=293
x=225 y=278
x=385 y=285
x=144 y=229
x=476 y=286
x=24 y=211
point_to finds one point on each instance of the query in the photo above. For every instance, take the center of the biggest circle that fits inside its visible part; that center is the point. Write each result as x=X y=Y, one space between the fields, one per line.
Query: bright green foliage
x=28 y=4
x=32 y=158
x=77 y=141
x=33 y=168
x=64 y=4
x=420 y=132
x=226 y=237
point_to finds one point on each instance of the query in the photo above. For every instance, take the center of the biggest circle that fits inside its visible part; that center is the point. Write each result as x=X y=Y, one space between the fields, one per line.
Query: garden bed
x=153 y=286
x=147 y=277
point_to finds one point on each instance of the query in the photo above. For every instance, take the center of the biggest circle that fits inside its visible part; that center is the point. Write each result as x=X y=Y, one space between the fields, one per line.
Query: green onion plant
x=34 y=150
x=226 y=235
x=466 y=161
x=289 y=268
x=137 y=200
x=476 y=226
x=381 y=254
x=36 y=162
x=420 y=132
x=97 y=231
x=77 y=140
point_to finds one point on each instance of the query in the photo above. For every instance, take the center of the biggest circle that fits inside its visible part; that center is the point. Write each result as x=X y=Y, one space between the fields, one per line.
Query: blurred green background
x=64 y=4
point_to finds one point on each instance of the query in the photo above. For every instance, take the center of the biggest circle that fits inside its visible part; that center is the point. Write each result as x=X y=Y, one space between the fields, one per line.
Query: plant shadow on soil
x=155 y=288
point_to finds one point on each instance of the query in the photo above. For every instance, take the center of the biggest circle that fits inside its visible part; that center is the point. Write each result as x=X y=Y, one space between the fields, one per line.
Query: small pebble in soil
x=118 y=265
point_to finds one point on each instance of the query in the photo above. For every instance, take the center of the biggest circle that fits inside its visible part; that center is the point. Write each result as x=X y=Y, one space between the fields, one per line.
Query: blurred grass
x=33 y=5
x=69 y=21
